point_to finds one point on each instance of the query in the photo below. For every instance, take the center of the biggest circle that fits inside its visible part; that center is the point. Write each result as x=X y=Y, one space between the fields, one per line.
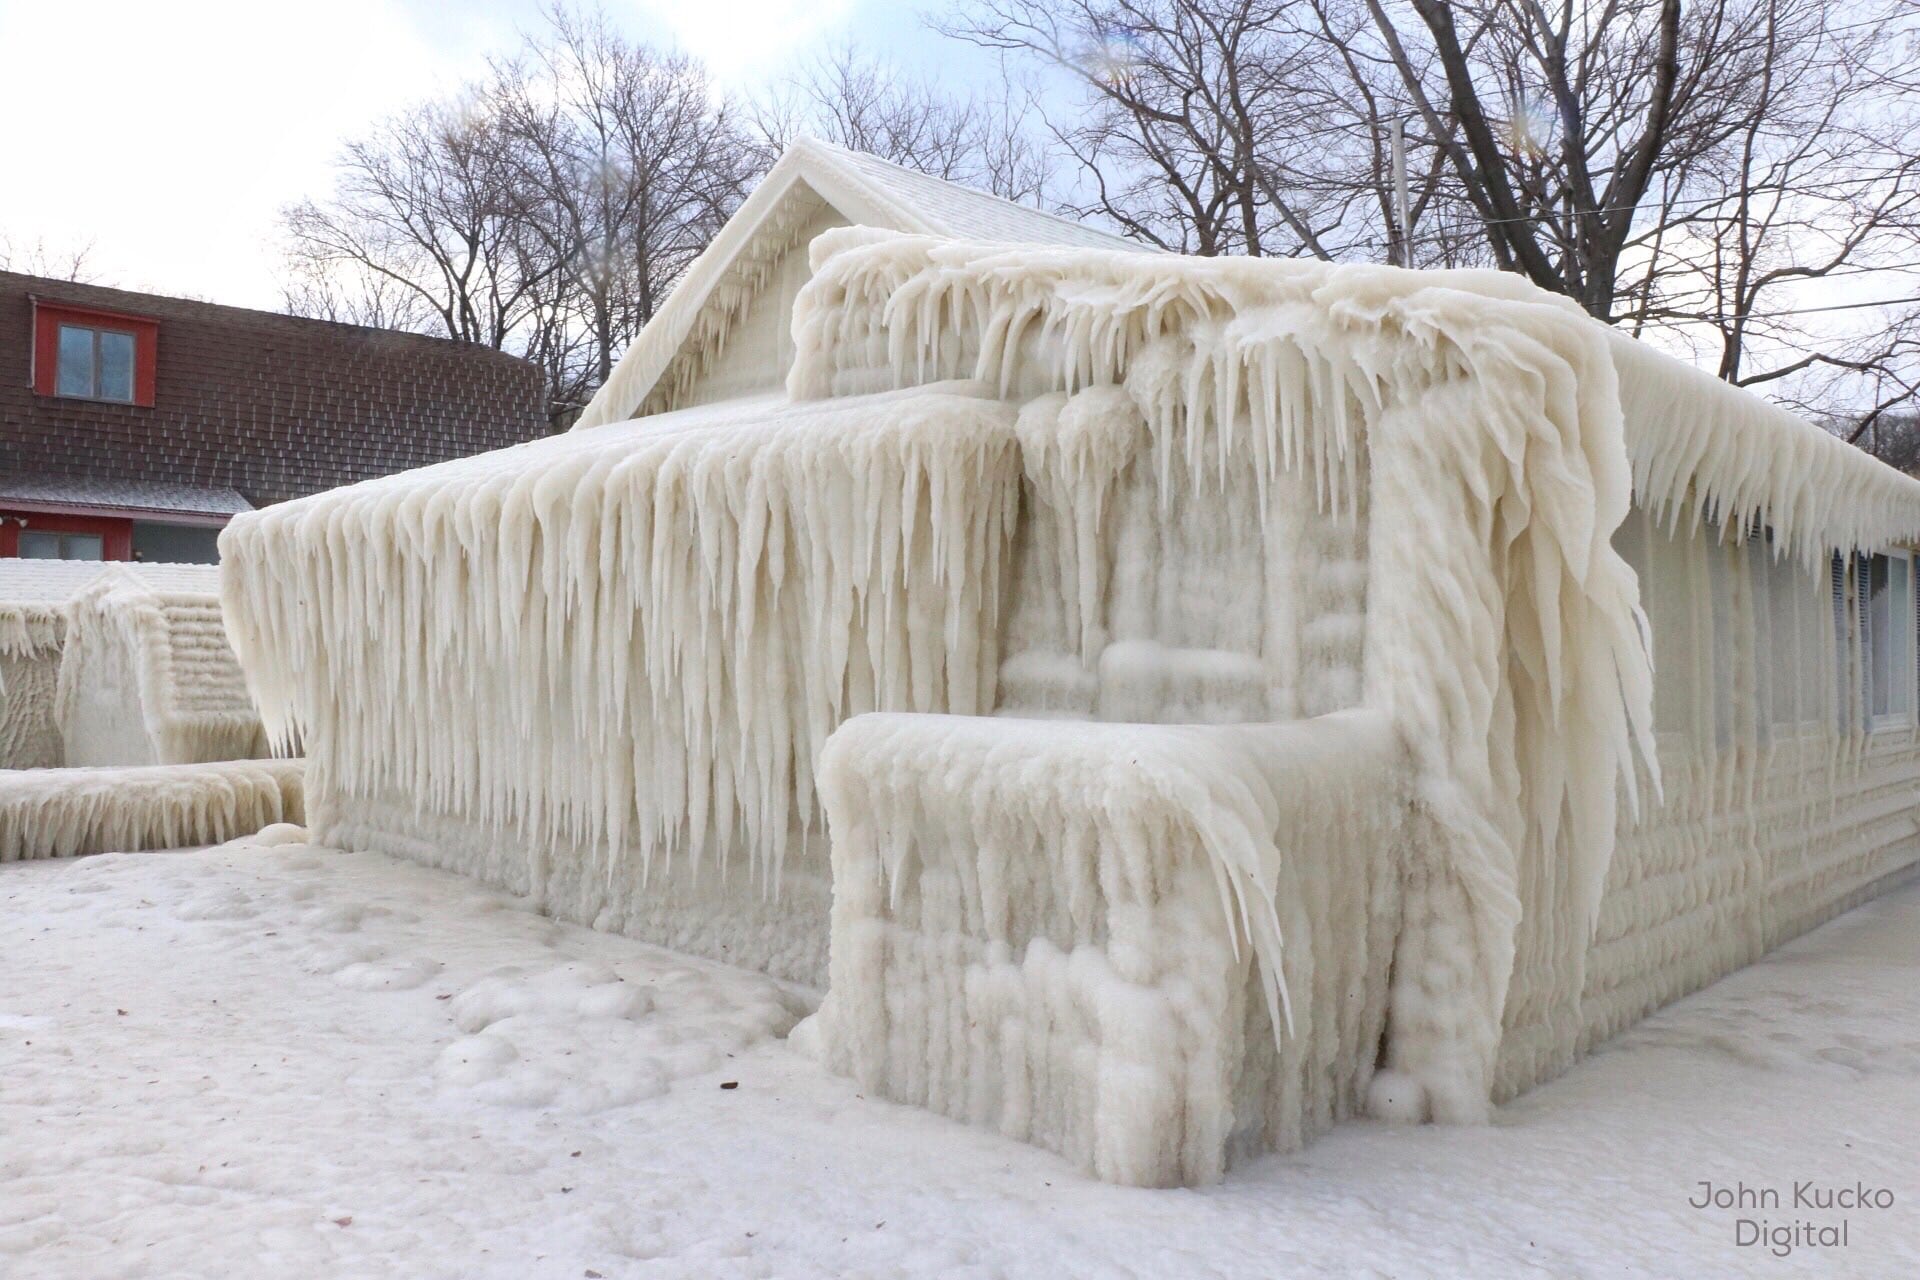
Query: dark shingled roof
x=269 y=405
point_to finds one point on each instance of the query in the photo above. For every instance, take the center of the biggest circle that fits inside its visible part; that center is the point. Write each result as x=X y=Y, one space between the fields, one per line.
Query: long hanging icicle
x=635 y=638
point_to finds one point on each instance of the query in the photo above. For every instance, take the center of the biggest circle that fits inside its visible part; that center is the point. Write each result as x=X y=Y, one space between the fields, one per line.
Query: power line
x=1845 y=306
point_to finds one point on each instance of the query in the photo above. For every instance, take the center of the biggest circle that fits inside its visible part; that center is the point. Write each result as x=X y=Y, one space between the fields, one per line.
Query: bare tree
x=1252 y=127
x=547 y=209
x=1818 y=180
x=870 y=104
x=1679 y=169
x=627 y=169
x=37 y=259
x=428 y=209
x=353 y=293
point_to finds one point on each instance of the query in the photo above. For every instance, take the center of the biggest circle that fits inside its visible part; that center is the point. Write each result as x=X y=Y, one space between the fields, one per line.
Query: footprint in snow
x=400 y=974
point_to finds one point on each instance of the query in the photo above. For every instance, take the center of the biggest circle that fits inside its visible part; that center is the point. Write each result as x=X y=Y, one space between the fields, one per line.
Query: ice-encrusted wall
x=30 y=634
x=1164 y=599
x=509 y=779
x=625 y=724
x=29 y=735
x=753 y=353
x=152 y=678
x=1783 y=800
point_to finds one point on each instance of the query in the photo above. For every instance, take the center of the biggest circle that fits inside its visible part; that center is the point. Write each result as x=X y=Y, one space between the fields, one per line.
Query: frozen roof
x=811 y=175
x=916 y=201
x=128 y=495
x=1035 y=319
x=56 y=581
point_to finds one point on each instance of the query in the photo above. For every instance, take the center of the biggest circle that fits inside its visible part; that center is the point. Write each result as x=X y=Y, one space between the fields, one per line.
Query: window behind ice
x=1886 y=637
x=41 y=544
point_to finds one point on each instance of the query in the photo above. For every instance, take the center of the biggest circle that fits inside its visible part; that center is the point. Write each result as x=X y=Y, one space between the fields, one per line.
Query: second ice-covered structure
x=118 y=664
x=1168 y=704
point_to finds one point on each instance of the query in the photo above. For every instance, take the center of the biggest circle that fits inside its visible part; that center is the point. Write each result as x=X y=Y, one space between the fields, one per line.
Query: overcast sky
x=168 y=135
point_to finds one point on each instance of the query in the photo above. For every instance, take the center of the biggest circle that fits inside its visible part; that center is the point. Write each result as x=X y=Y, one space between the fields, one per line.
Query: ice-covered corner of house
x=1147 y=693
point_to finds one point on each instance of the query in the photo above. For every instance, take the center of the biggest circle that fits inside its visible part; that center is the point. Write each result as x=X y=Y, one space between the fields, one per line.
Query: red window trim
x=116 y=536
x=47 y=319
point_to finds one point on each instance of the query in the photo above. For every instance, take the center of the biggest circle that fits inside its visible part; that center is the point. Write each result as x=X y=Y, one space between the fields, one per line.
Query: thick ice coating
x=1485 y=418
x=132 y=651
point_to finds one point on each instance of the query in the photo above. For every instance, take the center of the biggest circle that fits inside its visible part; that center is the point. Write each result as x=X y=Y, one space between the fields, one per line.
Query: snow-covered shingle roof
x=863 y=189
x=128 y=495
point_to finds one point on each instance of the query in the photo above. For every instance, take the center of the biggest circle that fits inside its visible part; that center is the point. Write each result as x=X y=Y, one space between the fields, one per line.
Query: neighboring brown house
x=134 y=426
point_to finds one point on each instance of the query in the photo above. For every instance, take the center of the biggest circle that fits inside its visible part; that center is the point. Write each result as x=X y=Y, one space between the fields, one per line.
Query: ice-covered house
x=1302 y=689
x=126 y=664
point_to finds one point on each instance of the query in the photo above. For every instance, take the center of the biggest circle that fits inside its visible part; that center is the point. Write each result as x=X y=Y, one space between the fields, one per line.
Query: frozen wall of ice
x=1140 y=946
x=1472 y=422
x=152 y=680
x=29 y=674
x=599 y=668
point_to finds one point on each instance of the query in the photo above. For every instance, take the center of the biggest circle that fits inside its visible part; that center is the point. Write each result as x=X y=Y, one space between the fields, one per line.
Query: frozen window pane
x=1670 y=601
x=76 y=361
x=1786 y=592
x=84 y=546
x=116 y=366
x=39 y=546
x=1899 y=637
x=1878 y=654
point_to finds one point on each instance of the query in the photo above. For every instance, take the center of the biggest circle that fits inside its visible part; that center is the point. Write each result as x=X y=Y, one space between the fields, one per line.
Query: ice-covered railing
x=1504 y=638
x=61 y=813
x=1137 y=945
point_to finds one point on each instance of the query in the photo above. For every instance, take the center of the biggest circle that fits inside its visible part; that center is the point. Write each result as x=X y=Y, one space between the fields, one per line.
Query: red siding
x=116 y=535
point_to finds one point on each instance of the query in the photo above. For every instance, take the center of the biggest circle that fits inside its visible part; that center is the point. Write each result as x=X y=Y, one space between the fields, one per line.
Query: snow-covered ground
x=285 y=1061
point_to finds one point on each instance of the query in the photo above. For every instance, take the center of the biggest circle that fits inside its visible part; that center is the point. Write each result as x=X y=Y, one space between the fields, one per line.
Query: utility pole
x=1402 y=207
